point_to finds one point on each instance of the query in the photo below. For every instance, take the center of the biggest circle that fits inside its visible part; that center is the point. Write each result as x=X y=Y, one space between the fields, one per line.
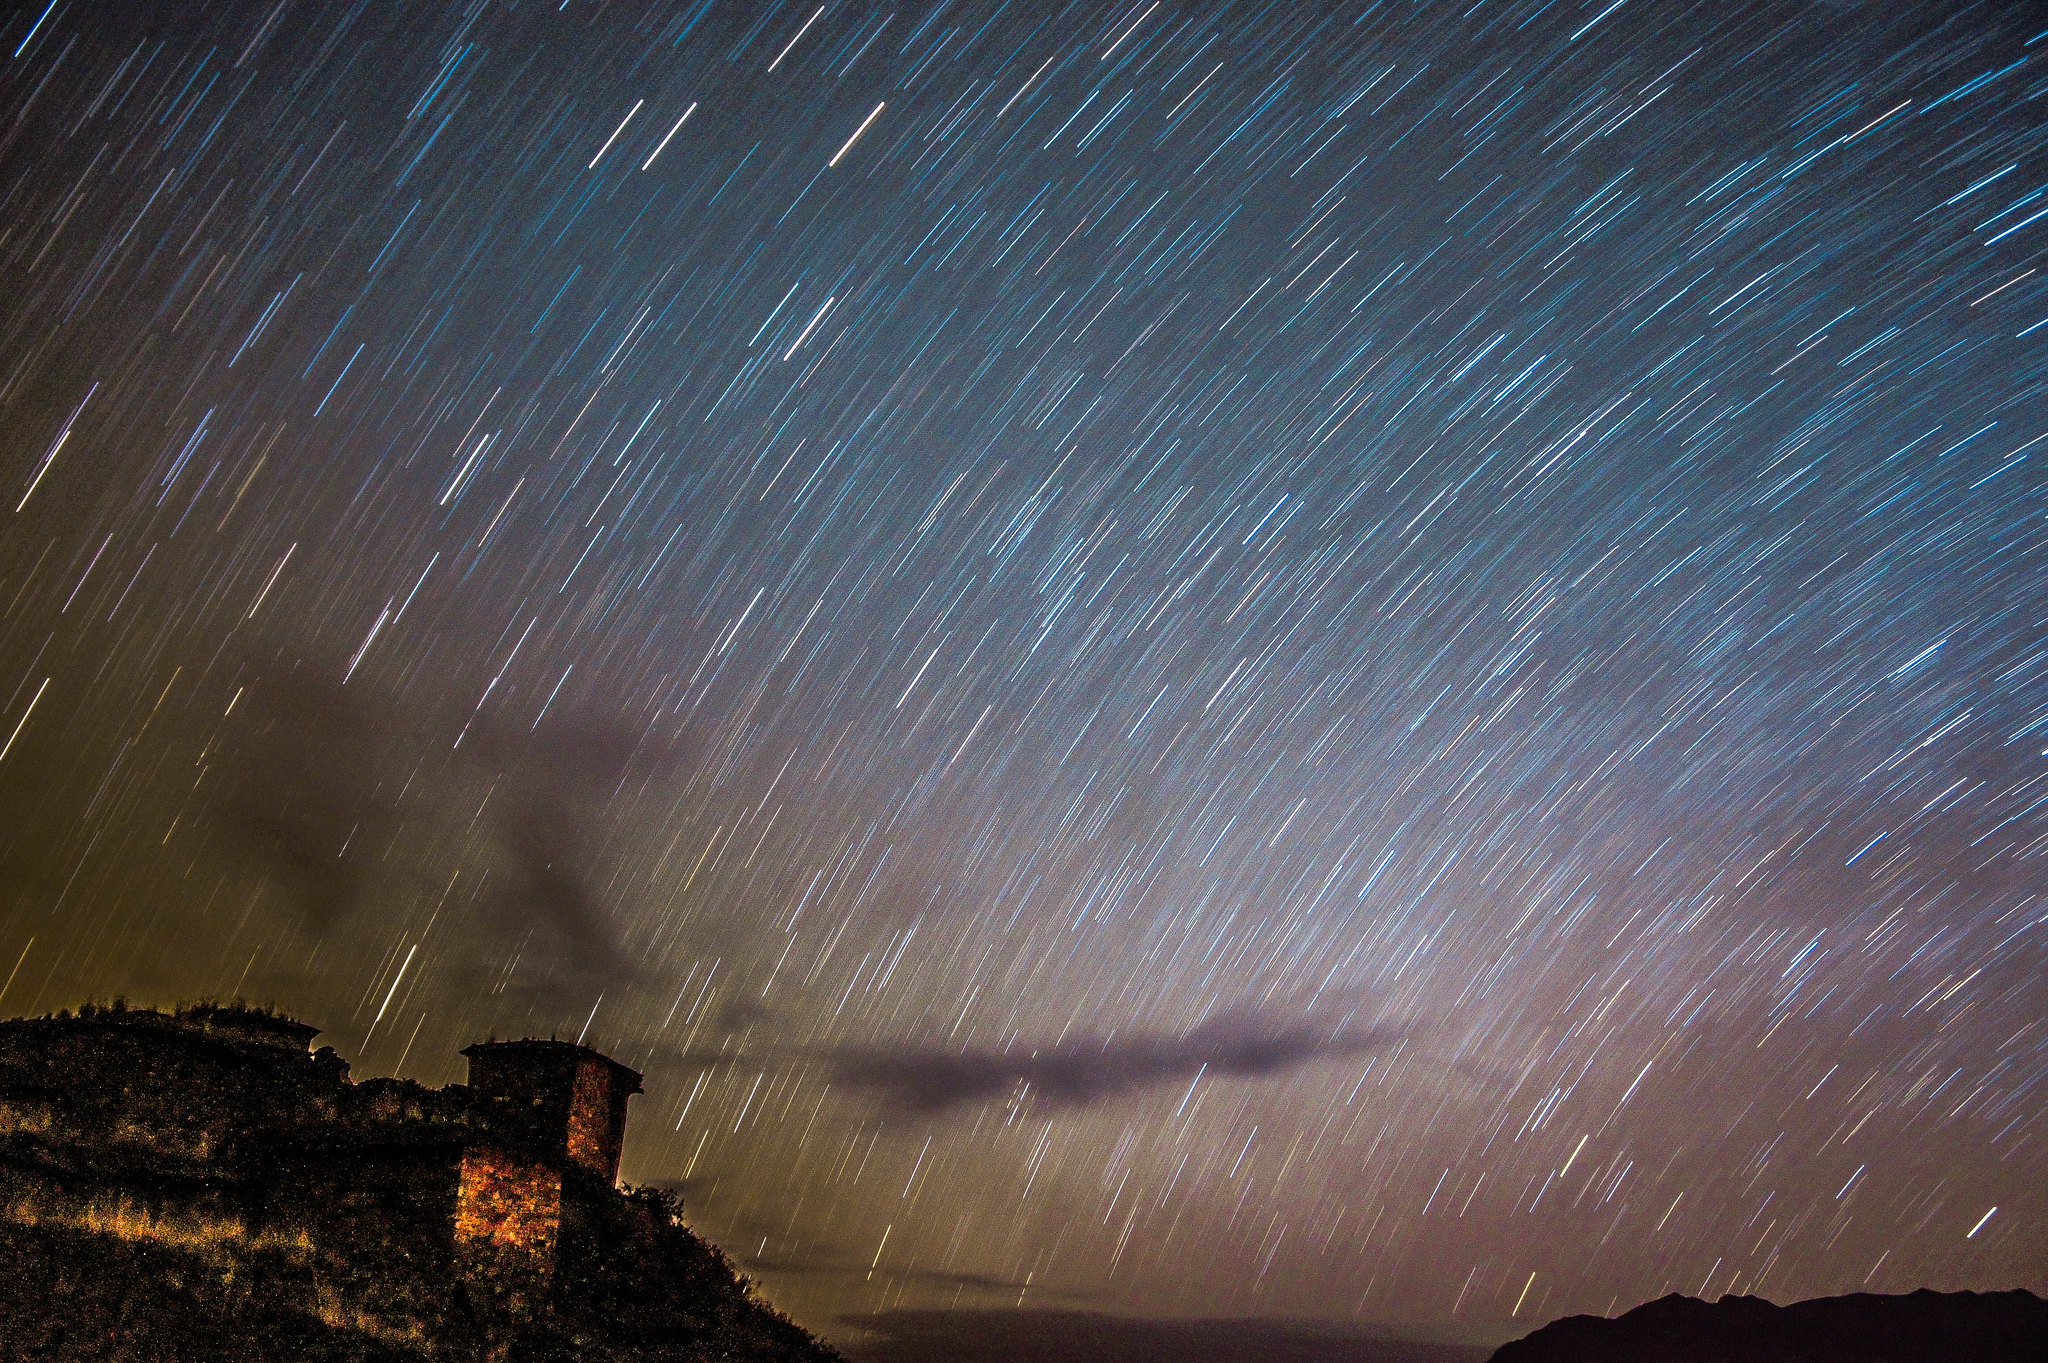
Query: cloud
x=326 y=779
x=741 y=1013
x=1080 y=1073
x=547 y=893
x=555 y=779
x=299 y=793
x=851 y=1268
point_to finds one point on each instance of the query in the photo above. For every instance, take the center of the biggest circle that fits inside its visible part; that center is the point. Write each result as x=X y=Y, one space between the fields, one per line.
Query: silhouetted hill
x=197 y=1185
x=1924 y=1327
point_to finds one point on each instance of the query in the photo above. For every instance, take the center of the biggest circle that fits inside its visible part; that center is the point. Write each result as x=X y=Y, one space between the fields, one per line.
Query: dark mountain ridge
x=1920 y=1327
x=197 y=1184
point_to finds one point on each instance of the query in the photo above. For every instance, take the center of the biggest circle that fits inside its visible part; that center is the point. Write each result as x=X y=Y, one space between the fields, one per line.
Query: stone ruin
x=220 y=1120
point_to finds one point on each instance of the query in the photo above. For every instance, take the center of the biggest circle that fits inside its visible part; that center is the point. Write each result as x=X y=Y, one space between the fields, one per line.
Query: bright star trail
x=1382 y=662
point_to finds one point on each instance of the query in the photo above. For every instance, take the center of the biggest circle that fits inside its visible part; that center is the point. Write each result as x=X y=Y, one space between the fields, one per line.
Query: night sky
x=1384 y=662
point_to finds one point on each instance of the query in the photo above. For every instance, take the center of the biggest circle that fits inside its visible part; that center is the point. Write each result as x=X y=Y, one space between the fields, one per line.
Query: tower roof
x=562 y=1052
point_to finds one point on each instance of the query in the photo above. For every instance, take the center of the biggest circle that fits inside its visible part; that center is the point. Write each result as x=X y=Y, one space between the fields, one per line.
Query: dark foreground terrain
x=1923 y=1327
x=85 y=1295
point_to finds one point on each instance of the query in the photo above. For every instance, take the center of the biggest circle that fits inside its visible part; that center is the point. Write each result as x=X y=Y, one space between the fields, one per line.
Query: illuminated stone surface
x=509 y=1202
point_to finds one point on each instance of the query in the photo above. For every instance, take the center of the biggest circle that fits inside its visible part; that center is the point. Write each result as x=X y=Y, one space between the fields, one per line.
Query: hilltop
x=196 y=1183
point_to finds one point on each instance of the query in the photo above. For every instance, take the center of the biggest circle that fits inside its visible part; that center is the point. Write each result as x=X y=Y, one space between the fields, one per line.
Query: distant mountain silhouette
x=1923 y=1327
x=196 y=1185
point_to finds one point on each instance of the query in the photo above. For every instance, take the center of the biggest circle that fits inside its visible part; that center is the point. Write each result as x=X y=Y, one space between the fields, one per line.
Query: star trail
x=1376 y=661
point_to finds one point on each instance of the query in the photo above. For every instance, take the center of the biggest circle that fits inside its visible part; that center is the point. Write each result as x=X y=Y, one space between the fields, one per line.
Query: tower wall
x=552 y=1100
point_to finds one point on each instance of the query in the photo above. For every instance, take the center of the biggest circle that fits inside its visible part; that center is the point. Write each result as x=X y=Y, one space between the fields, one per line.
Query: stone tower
x=546 y=1121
